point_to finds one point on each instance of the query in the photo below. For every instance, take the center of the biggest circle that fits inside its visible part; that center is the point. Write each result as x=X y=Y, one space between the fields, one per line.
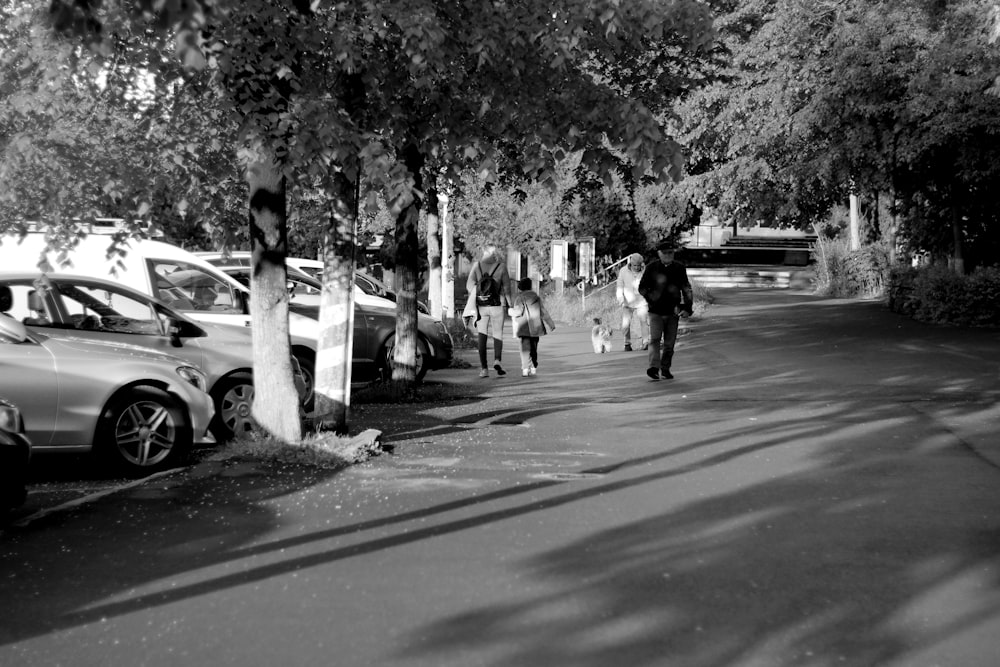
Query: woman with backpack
x=489 y=298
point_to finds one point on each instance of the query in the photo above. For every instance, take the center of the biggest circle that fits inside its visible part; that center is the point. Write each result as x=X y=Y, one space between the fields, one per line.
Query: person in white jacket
x=633 y=304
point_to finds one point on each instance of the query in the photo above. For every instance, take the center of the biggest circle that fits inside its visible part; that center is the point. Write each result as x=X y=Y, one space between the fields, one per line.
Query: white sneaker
x=532 y=371
x=484 y=373
x=525 y=372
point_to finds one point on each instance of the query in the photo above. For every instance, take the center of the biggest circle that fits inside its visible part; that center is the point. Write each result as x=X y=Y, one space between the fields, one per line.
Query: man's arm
x=688 y=294
x=646 y=282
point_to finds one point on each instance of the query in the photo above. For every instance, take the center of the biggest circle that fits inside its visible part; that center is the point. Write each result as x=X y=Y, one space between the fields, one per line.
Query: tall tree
x=822 y=98
x=444 y=83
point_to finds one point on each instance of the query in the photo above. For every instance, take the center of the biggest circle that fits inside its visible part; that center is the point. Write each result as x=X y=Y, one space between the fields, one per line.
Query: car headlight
x=194 y=376
x=10 y=419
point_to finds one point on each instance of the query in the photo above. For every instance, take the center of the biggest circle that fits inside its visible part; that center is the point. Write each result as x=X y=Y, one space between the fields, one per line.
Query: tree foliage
x=886 y=99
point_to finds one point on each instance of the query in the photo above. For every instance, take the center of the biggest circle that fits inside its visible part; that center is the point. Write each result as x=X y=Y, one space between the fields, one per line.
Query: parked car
x=374 y=329
x=138 y=409
x=167 y=273
x=314 y=269
x=71 y=306
x=15 y=455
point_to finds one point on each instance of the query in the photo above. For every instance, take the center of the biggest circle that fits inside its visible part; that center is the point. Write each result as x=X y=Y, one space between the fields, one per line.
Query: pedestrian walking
x=489 y=298
x=530 y=321
x=667 y=291
x=632 y=303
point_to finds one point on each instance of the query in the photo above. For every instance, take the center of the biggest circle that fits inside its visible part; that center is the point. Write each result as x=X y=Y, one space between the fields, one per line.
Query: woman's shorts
x=491 y=319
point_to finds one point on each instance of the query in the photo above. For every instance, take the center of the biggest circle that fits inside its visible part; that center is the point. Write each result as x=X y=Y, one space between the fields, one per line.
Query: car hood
x=110 y=349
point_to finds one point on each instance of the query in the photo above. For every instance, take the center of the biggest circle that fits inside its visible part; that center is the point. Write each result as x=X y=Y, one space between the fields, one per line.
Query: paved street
x=820 y=485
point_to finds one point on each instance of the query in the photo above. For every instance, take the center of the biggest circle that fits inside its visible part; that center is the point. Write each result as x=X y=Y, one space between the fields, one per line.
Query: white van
x=172 y=275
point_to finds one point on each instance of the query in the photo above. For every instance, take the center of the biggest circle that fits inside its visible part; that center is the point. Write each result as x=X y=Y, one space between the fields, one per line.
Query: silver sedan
x=66 y=306
x=139 y=409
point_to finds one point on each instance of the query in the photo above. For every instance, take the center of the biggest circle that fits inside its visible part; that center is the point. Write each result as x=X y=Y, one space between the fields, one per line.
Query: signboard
x=560 y=260
x=586 y=257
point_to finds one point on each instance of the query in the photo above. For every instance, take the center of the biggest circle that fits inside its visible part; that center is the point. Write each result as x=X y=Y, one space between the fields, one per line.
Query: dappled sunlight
x=811 y=567
x=775 y=512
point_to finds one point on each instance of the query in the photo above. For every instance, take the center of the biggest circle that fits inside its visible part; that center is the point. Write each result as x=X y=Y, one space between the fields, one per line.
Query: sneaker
x=484 y=373
x=525 y=372
x=665 y=372
x=645 y=346
x=628 y=347
x=653 y=372
x=532 y=371
x=498 y=368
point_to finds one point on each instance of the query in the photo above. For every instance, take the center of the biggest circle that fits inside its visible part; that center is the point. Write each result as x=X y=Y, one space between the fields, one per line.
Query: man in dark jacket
x=667 y=290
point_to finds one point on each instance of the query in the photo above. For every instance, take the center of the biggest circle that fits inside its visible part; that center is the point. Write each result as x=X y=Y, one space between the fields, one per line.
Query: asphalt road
x=818 y=486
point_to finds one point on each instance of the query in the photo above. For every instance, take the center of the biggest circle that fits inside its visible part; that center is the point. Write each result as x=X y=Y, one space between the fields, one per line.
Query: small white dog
x=600 y=337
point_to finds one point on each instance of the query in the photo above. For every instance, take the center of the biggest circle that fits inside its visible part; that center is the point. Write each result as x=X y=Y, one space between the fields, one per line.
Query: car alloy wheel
x=307 y=366
x=233 y=397
x=421 y=360
x=145 y=429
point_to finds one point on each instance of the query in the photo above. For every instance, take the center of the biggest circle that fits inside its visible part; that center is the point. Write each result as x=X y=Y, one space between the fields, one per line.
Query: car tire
x=142 y=430
x=233 y=400
x=307 y=364
x=385 y=358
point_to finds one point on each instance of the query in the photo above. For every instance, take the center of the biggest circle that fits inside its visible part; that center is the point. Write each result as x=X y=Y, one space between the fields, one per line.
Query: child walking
x=531 y=321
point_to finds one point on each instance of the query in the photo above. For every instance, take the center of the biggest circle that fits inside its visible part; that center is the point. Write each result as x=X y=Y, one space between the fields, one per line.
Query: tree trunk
x=407 y=253
x=448 y=263
x=855 y=222
x=276 y=402
x=334 y=354
x=434 y=254
x=958 y=256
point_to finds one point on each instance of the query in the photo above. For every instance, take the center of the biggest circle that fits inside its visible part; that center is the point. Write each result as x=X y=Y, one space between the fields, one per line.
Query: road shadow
x=816 y=565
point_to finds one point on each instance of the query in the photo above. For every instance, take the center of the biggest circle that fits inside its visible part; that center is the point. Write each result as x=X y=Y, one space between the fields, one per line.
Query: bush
x=460 y=334
x=938 y=295
x=844 y=273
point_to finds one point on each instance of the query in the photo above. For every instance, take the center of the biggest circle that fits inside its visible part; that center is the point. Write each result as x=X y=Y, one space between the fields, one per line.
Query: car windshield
x=187 y=287
x=299 y=283
x=240 y=260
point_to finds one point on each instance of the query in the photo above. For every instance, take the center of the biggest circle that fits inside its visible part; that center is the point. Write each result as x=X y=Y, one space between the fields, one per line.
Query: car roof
x=302 y=261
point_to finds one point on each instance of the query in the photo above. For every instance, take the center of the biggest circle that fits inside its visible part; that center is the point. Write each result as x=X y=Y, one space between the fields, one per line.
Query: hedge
x=938 y=295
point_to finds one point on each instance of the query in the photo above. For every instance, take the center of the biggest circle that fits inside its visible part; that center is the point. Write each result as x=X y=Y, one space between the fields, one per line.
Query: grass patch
x=318 y=450
x=461 y=337
x=398 y=392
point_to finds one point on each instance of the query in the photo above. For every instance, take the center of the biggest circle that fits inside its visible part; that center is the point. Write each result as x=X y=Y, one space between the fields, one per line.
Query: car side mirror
x=174 y=332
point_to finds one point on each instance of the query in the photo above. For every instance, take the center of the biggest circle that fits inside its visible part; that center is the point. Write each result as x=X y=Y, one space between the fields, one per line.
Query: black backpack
x=488 y=289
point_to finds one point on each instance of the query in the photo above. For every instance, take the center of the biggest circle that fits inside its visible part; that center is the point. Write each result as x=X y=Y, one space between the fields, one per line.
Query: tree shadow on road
x=831 y=564
x=815 y=565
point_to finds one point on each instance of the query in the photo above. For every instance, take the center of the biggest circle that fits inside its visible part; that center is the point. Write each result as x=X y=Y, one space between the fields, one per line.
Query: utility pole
x=855 y=221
